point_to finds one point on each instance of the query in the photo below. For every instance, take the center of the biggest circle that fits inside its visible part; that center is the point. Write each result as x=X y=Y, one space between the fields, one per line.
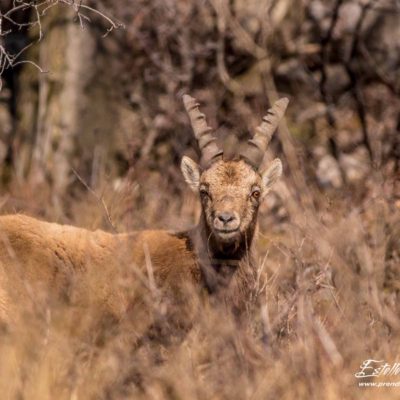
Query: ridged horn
x=256 y=147
x=209 y=149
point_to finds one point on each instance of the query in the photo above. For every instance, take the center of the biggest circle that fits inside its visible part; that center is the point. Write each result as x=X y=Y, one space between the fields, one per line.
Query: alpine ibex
x=57 y=257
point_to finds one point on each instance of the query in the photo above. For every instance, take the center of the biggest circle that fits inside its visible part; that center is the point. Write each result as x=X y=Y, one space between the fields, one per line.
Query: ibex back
x=68 y=261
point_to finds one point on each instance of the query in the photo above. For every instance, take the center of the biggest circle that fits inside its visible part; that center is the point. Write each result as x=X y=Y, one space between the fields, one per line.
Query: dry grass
x=324 y=299
x=325 y=295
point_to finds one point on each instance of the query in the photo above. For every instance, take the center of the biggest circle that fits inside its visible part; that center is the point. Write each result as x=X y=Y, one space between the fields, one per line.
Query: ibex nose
x=225 y=217
x=226 y=221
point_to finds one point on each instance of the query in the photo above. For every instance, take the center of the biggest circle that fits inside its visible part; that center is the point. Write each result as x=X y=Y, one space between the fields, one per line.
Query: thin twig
x=100 y=199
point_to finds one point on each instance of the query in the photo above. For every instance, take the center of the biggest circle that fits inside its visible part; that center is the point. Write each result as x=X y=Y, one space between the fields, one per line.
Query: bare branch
x=38 y=10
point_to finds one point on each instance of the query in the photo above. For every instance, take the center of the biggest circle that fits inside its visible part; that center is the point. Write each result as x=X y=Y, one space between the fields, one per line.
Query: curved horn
x=207 y=142
x=255 y=149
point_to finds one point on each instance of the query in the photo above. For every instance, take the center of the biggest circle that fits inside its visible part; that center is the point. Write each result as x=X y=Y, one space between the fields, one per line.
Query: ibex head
x=231 y=191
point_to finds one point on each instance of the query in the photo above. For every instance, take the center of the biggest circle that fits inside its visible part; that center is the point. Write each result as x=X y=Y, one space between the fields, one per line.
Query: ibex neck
x=219 y=261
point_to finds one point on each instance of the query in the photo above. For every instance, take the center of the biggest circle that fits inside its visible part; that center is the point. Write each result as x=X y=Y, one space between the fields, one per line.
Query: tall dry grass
x=323 y=299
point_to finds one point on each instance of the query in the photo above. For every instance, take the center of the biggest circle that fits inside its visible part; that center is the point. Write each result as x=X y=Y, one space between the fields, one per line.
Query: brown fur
x=79 y=264
x=82 y=267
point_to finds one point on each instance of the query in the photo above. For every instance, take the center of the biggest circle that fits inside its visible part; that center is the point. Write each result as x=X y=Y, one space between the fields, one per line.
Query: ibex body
x=76 y=263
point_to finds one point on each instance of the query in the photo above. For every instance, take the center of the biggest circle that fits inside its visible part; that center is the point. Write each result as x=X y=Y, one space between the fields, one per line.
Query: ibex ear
x=191 y=172
x=271 y=174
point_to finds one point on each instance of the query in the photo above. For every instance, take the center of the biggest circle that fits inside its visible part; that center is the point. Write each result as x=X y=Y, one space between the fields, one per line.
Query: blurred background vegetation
x=109 y=102
x=97 y=137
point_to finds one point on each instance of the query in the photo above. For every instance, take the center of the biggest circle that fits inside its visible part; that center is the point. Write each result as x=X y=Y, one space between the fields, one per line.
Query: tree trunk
x=51 y=104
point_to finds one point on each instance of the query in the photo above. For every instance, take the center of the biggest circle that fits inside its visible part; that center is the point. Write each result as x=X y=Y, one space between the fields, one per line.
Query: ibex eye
x=203 y=193
x=256 y=193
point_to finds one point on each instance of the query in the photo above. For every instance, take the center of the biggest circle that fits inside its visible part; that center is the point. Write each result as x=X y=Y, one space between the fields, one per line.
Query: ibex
x=56 y=257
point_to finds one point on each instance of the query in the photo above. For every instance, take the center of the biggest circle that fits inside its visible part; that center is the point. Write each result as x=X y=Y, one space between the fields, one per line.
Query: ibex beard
x=208 y=256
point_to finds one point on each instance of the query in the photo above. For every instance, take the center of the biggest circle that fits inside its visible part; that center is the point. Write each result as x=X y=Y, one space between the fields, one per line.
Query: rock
x=320 y=13
x=349 y=14
x=328 y=172
x=318 y=10
x=355 y=165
